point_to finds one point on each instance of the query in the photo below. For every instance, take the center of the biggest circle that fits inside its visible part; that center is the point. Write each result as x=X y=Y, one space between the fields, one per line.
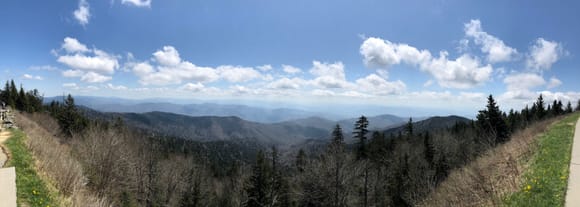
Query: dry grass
x=55 y=163
x=485 y=181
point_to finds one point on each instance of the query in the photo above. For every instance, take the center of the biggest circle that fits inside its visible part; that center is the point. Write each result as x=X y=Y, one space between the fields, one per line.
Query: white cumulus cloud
x=82 y=13
x=523 y=81
x=92 y=77
x=495 y=48
x=98 y=63
x=554 y=82
x=194 y=87
x=116 y=87
x=291 y=69
x=264 y=67
x=72 y=45
x=168 y=68
x=464 y=72
x=142 y=69
x=137 y=3
x=168 y=56
x=335 y=70
x=519 y=86
x=237 y=74
x=32 y=77
x=92 y=65
x=543 y=54
x=379 y=53
x=379 y=86
x=287 y=83
x=72 y=73
x=330 y=82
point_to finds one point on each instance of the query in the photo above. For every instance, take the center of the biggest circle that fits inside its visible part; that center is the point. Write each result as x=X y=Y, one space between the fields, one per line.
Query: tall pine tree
x=409 y=127
x=259 y=182
x=360 y=132
x=569 y=107
x=491 y=121
x=540 y=111
x=300 y=161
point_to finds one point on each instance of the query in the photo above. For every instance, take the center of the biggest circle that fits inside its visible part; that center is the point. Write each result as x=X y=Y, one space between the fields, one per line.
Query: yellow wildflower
x=528 y=188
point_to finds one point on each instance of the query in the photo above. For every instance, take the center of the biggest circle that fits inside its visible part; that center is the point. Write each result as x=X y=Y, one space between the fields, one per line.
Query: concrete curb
x=573 y=193
x=8 y=187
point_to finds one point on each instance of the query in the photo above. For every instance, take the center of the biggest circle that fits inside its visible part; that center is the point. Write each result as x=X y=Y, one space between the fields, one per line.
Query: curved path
x=4 y=135
x=573 y=193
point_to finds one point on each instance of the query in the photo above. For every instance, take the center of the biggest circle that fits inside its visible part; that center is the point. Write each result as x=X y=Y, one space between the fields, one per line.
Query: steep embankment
x=31 y=189
x=47 y=172
x=529 y=170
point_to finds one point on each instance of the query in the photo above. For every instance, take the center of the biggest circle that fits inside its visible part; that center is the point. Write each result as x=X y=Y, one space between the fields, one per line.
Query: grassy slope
x=545 y=180
x=31 y=190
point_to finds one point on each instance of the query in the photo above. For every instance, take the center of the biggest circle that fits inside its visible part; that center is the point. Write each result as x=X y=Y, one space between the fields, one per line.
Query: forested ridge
x=132 y=168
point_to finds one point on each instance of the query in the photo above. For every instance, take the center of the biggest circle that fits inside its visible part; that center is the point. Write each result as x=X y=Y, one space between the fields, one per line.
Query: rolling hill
x=433 y=123
x=375 y=122
x=212 y=128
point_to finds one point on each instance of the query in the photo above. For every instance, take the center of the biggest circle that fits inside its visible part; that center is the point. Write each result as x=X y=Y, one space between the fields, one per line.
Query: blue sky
x=447 y=55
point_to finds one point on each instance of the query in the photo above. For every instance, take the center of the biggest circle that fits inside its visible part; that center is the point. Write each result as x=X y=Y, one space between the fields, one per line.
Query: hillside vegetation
x=31 y=189
x=107 y=162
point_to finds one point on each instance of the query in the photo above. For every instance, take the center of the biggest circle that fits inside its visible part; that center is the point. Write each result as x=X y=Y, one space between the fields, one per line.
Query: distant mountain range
x=211 y=128
x=217 y=122
x=255 y=114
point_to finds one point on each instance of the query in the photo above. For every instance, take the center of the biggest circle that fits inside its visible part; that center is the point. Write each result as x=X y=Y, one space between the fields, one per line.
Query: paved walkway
x=7 y=177
x=8 y=187
x=573 y=193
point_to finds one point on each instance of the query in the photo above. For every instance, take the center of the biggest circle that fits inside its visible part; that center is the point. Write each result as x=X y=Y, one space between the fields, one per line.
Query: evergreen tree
x=409 y=127
x=5 y=95
x=13 y=94
x=360 y=131
x=21 y=103
x=578 y=105
x=540 y=111
x=259 y=182
x=377 y=147
x=300 y=160
x=527 y=115
x=279 y=189
x=34 y=100
x=70 y=119
x=491 y=121
x=400 y=185
x=442 y=169
x=337 y=144
x=569 y=107
x=338 y=156
x=513 y=120
x=429 y=149
x=557 y=108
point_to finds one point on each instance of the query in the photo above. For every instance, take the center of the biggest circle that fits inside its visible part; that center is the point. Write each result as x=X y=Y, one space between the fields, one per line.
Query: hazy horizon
x=306 y=54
